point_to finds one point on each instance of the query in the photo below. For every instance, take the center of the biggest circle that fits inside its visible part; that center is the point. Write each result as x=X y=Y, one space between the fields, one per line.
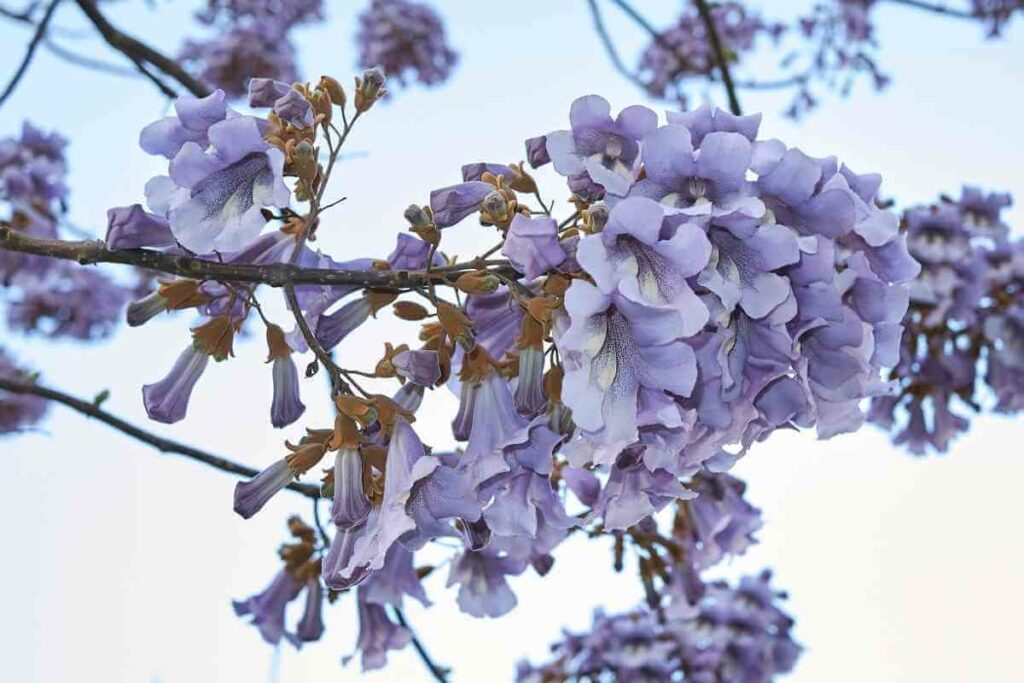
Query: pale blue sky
x=120 y=563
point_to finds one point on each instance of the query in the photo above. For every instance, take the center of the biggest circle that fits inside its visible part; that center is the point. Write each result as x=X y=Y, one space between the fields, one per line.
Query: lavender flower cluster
x=406 y=40
x=739 y=634
x=683 y=51
x=251 y=38
x=44 y=296
x=964 y=345
x=17 y=411
x=710 y=288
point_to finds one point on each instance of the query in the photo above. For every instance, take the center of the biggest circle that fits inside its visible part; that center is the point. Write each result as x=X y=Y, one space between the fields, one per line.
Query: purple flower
x=377 y=634
x=396 y=579
x=252 y=495
x=614 y=349
x=736 y=634
x=405 y=39
x=287 y=405
x=411 y=253
x=240 y=51
x=537 y=151
x=192 y=122
x=167 y=400
x=605 y=151
x=131 y=227
x=267 y=608
x=351 y=506
x=66 y=300
x=18 y=411
x=453 y=203
x=311 y=626
x=630 y=248
x=483 y=588
x=684 y=50
x=421 y=367
x=633 y=492
x=334 y=327
x=524 y=504
x=531 y=244
x=408 y=463
x=214 y=197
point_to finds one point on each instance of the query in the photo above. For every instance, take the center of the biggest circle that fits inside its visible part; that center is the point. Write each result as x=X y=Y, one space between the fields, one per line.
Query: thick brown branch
x=162 y=444
x=137 y=51
x=87 y=252
x=723 y=65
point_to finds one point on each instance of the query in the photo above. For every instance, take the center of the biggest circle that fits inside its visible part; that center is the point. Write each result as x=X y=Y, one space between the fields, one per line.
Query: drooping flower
x=167 y=400
x=377 y=634
x=407 y=463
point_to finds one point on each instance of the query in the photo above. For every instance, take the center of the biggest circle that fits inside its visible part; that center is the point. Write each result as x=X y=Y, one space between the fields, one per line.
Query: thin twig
x=137 y=51
x=439 y=673
x=37 y=37
x=162 y=444
x=716 y=46
x=936 y=8
x=311 y=340
x=609 y=46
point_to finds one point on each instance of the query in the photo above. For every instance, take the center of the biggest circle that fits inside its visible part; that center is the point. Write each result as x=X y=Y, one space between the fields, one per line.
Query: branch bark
x=162 y=444
x=86 y=252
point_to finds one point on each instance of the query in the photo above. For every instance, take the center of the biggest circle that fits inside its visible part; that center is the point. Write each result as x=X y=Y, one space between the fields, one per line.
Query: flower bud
x=334 y=90
x=478 y=282
x=596 y=217
x=418 y=216
x=408 y=310
x=304 y=162
x=494 y=209
x=369 y=89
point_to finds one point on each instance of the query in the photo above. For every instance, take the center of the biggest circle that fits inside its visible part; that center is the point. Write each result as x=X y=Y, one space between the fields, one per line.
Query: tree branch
x=936 y=8
x=716 y=45
x=137 y=51
x=439 y=673
x=31 y=51
x=162 y=444
x=87 y=252
x=609 y=46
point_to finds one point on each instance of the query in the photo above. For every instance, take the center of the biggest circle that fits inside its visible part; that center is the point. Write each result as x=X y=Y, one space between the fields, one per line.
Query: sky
x=120 y=562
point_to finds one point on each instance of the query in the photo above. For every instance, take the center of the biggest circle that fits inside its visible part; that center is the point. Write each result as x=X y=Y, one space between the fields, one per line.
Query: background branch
x=31 y=51
x=716 y=45
x=438 y=672
x=139 y=53
x=609 y=46
x=162 y=444
x=935 y=8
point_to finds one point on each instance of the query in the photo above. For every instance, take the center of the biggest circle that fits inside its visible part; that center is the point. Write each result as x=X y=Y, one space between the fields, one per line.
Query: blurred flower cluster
x=406 y=40
x=964 y=345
